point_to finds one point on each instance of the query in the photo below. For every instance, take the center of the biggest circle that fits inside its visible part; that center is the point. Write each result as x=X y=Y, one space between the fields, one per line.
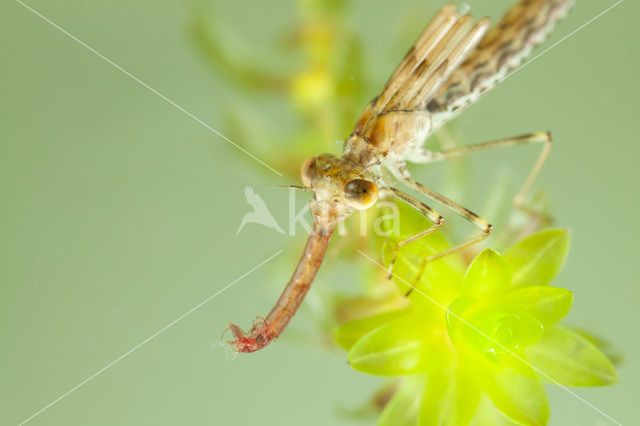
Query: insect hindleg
x=538 y=137
x=426 y=211
x=479 y=222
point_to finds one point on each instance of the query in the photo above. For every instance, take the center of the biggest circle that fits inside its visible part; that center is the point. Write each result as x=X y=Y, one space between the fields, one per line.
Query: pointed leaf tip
x=537 y=259
x=488 y=273
x=349 y=333
x=516 y=391
x=548 y=304
x=405 y=346
x=570 y=359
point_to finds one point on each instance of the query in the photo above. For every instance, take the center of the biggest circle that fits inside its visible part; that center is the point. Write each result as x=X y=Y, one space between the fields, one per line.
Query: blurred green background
x=118 y=212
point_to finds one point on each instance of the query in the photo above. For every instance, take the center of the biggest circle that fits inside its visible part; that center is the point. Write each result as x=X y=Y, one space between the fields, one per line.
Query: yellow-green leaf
x=496 y=331
x=446 y=271
x=538 y=258
x=489 y=273
x=488 y=415
x=570 y=359
x=449 y=399
x=614 y=354
x=440 y=279
x=548 y=304
x=514 y=389
x=456 y=316
x=403 y=408
x=348 y=334
x=408 y=345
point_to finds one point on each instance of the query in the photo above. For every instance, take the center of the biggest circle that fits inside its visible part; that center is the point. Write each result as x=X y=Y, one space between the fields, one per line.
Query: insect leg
x=539 y=137
x=426 y=211
x=479 y=222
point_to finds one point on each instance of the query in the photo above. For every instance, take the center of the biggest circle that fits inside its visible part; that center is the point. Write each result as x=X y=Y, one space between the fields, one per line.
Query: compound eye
x=307 y=170
x=360 y=193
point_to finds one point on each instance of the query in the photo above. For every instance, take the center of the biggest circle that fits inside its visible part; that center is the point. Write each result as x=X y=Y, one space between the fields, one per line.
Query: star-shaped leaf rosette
x=475 y=346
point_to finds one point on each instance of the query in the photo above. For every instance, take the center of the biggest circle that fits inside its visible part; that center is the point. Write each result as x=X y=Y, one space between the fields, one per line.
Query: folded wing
x=450 y=66
x=502 y=50
x=398 y=116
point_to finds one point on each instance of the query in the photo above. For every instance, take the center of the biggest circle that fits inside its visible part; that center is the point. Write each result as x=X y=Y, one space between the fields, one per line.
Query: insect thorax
x=395 y=134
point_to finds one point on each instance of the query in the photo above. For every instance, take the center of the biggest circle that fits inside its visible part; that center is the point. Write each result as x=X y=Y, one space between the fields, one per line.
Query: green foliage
x=476 y=346
x=449 y=398
x=403 y=408
x=447 y=271
x=313 y=75
x=348 y=334
x=514 y=388
x=488 y=274
x=537 y=259
x=488 y=415
x=567 y=358
x=407 y=345
x=548 y=304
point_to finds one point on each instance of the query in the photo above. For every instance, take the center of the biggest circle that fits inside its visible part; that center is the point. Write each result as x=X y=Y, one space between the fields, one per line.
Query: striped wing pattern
x=502 y=50
x=453 y=62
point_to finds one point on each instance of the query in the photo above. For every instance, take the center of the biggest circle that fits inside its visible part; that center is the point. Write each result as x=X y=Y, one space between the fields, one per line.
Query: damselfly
x=452 y=63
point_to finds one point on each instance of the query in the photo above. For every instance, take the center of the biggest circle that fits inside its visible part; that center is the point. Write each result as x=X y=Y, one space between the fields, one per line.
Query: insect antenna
x=298 y=187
